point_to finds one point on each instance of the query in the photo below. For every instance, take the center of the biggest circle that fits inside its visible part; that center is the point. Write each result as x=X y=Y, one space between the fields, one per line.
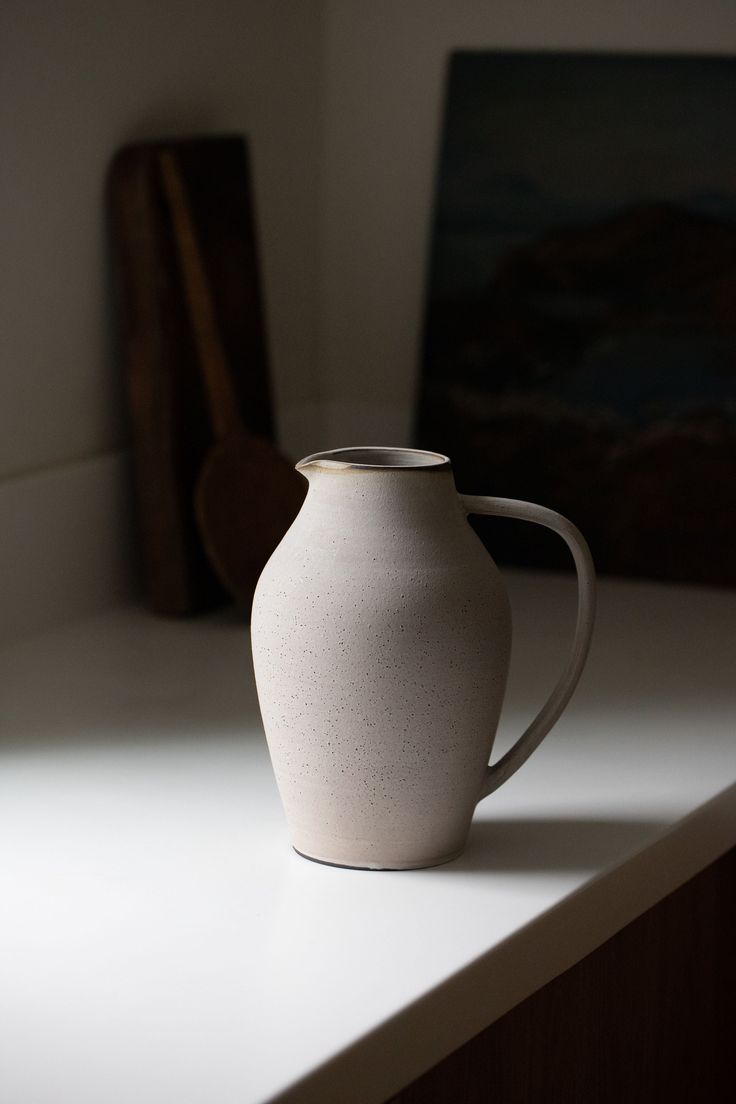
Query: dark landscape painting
x=580 y=336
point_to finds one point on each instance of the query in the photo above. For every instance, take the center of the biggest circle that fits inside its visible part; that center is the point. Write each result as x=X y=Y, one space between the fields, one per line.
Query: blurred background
x=341 y=101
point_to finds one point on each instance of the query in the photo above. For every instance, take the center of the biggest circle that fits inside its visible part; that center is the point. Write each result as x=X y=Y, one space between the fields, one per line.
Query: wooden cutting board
x=170 y=425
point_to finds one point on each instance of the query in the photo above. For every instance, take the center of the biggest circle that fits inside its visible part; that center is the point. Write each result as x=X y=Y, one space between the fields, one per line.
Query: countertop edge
x=404 y=1047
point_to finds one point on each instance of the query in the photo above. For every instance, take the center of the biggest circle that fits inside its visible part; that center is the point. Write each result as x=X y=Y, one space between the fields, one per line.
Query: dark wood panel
x=648 y=1017
x=170 y=420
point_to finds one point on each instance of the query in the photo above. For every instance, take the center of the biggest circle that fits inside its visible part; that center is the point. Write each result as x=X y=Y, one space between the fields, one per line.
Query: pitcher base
x=362 y=864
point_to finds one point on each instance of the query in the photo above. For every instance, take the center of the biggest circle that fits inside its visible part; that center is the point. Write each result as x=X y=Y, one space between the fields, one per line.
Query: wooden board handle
x=221 y=398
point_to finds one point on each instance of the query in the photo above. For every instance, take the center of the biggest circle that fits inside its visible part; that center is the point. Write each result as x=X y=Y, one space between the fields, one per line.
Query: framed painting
x=580 y=333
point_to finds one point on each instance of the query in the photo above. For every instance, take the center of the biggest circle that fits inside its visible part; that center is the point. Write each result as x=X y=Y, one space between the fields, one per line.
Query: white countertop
x=161 y=944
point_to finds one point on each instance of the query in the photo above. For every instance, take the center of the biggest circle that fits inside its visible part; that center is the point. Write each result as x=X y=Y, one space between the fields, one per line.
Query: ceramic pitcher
x=381 y=637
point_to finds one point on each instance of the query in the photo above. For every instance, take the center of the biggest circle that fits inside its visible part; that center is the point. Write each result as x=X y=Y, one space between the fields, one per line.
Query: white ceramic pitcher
x=381 y=638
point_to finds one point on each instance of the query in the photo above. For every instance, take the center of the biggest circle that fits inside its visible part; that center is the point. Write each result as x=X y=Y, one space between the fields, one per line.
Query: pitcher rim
x=377 y=458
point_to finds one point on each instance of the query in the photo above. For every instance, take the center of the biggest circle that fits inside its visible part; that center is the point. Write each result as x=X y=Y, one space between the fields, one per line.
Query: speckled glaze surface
x=381 y=638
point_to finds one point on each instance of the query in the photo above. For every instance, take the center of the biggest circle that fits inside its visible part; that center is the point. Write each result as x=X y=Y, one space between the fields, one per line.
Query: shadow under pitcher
x=381 y=641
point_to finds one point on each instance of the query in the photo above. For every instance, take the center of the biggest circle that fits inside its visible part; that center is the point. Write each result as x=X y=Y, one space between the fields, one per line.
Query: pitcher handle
x=500 y=772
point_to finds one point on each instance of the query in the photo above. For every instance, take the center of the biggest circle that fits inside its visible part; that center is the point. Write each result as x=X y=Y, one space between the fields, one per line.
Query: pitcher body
x=381 y=638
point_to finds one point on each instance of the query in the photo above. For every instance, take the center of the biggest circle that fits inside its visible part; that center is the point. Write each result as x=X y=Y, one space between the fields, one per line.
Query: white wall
x=385 y=67
x=342 y=102
x=78 y=78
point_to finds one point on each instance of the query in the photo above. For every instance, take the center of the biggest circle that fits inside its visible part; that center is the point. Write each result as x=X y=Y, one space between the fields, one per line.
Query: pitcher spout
x=319 y=460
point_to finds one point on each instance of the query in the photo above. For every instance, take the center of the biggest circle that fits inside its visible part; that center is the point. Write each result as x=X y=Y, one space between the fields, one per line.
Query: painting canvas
x=580 y=336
